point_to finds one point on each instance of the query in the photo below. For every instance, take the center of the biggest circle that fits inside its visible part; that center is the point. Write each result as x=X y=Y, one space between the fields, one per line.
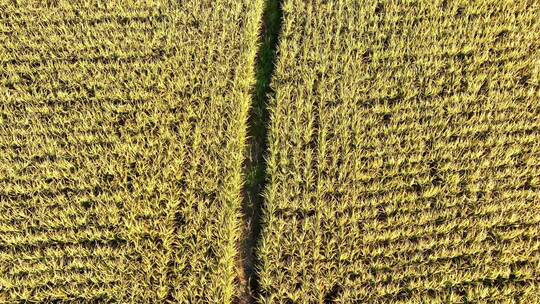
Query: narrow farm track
x=122 y=136
x=255 y=164
x=404 y=143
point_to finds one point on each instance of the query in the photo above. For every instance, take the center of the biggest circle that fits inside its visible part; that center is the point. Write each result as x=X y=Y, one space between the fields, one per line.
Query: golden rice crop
x=122 y=127
x=404 y=154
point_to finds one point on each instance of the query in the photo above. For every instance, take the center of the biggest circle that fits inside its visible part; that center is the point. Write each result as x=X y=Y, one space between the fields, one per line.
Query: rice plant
x=122 y=129
x=404 y=152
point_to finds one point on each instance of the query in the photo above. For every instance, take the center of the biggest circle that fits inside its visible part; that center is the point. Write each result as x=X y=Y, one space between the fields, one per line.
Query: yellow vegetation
x=403 y=159
x=404 y=153
x=122 y=127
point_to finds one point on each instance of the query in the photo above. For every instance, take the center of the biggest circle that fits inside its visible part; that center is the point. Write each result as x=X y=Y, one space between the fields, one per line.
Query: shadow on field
x=255 y=164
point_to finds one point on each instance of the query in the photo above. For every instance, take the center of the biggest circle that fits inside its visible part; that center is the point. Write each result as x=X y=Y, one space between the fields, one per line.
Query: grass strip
x=255 y=164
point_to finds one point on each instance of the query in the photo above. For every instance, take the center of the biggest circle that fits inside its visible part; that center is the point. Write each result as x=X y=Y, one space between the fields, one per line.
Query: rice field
x=270 y=151
x=404 y=152
x=122 y=133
